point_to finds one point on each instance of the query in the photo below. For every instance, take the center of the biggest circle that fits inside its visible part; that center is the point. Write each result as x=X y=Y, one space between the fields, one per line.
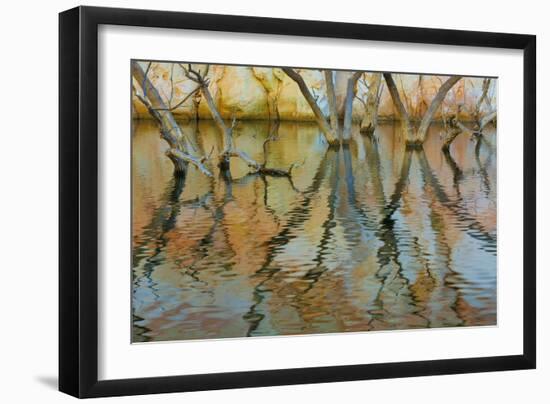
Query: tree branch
x=178 y=154
x=434 y=106
x=179 y=104
x=153 y=101
x=330 y=136
x=486 y=119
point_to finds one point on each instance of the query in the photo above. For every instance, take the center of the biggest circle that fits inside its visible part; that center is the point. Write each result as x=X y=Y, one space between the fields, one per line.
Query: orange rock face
x=267 y=93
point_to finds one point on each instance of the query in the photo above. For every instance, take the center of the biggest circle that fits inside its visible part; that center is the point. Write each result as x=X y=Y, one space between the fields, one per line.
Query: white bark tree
x=348 y=105
x=182 y=150
x=416 y=137
x=229 y=147
x=330 y=134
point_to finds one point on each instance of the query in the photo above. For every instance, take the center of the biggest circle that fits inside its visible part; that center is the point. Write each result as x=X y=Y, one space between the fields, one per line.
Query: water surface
x=368 y=237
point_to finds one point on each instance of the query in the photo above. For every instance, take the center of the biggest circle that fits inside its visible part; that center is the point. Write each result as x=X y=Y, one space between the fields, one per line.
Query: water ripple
x=368 y=237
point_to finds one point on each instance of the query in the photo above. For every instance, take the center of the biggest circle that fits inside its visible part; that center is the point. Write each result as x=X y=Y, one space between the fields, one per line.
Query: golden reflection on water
x=368 y=237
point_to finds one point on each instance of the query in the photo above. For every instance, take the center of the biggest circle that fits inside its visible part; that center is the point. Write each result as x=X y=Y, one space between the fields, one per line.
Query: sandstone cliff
x=267 y=93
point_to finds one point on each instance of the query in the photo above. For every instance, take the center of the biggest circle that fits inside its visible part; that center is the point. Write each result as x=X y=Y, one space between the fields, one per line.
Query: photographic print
x=272 y=201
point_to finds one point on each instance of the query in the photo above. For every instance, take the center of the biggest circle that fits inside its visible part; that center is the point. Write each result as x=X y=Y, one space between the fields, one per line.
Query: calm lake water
x=368 y=237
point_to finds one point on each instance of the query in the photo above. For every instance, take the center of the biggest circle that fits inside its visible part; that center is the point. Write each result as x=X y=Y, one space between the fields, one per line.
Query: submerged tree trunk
x=484 y=96
x=182 y=150
x=229 y=147
x=434 y=106
x=370 y=120
x=331 y=97
x=406 y=126
x=216 y=116
x=325 y=127
x=452 y=130
x=484 y=121
x=168 y=121
x=348 y=109
x=415 y=138
x=480 y=121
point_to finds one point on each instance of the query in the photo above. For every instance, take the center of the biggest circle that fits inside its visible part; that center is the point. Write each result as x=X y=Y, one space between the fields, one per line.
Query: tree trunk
x=451 y=136
x=483 y=122
x=229 y=147
x=434 y=106
x=348 y=111
x=329 y=133
x=172 y=133
x=416 y=138
x=178 y=157
x=331 y=97
x=182 y=150
x=484 y=92
x=370 y=120
x=227 y=131
x=406 y=126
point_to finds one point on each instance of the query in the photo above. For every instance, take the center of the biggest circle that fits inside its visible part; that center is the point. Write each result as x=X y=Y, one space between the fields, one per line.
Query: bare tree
x=480 y=120
x=416 y=137
x=182 y=150
x=329 y=132
x=484 y=97
x=229 y=147
x=406 y=125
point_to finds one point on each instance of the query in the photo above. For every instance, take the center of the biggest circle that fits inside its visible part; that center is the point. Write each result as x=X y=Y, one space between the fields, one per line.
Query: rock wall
x=267 y=93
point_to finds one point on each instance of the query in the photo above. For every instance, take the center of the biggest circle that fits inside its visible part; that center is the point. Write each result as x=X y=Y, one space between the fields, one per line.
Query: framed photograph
x=251 y=201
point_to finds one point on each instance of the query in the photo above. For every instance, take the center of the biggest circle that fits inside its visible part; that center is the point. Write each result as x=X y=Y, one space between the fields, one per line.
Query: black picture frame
x=78 y=201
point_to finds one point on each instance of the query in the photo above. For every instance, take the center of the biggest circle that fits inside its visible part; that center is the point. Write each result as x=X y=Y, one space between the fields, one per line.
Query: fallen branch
x=199 y=163
x=229 y=147
x=257 y=167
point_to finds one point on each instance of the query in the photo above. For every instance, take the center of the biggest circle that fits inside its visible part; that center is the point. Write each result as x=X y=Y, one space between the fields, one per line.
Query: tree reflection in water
x=370 y=236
